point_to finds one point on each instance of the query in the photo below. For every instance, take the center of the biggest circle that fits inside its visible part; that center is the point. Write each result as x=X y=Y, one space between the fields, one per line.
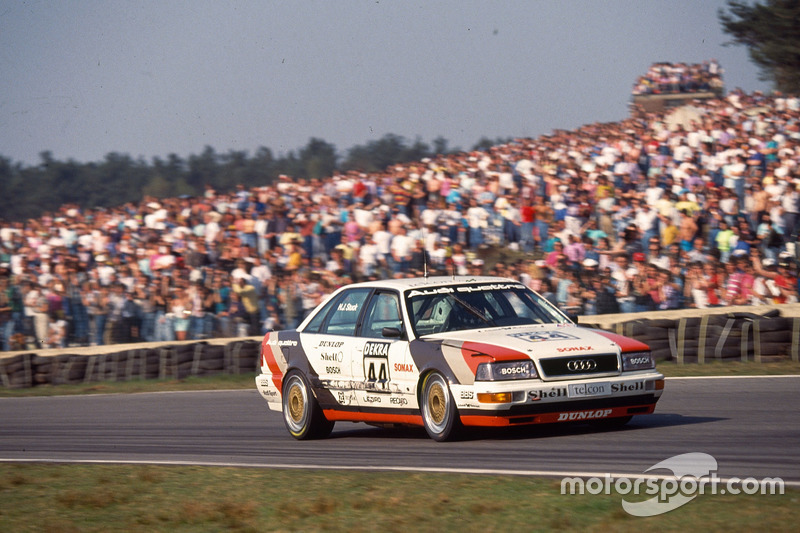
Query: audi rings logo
x=581 y=365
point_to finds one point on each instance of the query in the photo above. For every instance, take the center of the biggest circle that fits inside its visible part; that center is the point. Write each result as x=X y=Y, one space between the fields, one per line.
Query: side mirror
x=392 y=333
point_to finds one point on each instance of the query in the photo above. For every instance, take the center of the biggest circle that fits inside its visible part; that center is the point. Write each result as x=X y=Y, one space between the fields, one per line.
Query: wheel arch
x=425 y=372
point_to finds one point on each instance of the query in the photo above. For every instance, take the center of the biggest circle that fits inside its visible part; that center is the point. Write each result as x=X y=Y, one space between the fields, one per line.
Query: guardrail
x=735 y=335
x=685 y=336
x=124 y=362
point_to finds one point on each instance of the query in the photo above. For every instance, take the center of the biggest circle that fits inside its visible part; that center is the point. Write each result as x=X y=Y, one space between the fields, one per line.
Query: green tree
x=440 y=145
x=261 y=167
x=203 y=170
x=485 y=143
x=158 y=187
x=318 y=159
x=771 y=32
x=377 y=155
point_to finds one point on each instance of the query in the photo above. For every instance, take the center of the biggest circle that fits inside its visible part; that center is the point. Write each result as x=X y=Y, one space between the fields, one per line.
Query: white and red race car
x=447 y=352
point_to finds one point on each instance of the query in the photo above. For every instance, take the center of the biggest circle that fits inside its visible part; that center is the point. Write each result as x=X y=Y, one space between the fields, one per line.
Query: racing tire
x=438 y=408
x=301 y=412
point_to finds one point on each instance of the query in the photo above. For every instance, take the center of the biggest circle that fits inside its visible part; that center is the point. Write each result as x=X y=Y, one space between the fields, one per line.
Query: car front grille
x=579 y=365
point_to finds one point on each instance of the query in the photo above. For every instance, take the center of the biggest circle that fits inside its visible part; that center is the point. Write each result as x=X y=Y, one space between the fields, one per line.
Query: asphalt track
x=749 y=425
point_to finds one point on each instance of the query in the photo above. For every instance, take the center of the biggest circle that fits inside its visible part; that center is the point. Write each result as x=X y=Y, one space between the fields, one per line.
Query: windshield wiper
x=474 y=310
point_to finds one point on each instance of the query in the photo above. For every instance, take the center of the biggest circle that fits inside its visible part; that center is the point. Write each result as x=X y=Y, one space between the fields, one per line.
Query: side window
x=383 y=311
x=343 y=318
x=319 y=318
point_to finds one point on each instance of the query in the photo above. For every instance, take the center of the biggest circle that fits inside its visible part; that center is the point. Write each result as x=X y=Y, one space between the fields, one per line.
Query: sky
x=84 y=78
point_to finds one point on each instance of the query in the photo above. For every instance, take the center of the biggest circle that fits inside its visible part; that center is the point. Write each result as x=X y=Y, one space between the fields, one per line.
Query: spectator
x=722 y=184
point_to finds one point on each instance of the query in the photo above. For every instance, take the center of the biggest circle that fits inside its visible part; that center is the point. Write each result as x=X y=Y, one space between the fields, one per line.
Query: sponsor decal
x=466 y=288
x=377 y=349
x=270 y=393
x=542 y=336
x=430 y=292
x=584 y=415
x=554 y=392
x=627 y=387
x=347 y=307
x=467 y=395
x=639 y=360
x=372 y=399
x=574 y=349
x=491 y=287
x=333 y=370
x=331 y=344
x=394 y=400
x=336 y=357
x=345 y=384
x=400 y=367
x=277 y=342
x=376 y=366
x=336 y=384
x=578 y=390
x=581 y=365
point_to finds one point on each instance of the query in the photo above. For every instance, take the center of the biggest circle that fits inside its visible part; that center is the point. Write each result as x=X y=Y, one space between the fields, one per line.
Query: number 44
x=382 y=374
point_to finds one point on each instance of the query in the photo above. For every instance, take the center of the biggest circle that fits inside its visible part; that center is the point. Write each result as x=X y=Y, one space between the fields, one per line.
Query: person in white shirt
x=478 y=220
x=646 y=221
x=401 y=251
x=368 y=256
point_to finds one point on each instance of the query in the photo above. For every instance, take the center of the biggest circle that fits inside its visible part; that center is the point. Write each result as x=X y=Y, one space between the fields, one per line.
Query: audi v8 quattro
x=447 y=352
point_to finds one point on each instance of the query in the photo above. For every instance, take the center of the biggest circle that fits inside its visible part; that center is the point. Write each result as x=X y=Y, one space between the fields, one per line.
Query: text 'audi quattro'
x=449 y=352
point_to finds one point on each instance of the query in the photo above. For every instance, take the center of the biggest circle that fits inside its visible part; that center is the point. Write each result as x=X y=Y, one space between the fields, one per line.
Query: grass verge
x=66 y=498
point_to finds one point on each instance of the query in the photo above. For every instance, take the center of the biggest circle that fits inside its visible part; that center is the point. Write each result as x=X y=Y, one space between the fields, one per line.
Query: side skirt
x=383 y=418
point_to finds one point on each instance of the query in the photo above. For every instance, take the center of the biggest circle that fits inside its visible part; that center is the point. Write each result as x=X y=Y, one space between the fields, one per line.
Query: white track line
x=429 y=470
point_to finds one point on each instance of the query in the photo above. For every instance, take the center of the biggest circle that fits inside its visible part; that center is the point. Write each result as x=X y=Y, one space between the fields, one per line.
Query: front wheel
x=301 y=412
x=439 y=413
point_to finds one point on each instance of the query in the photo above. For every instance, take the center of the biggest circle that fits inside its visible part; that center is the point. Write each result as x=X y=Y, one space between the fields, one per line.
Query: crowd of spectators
x=674 y=78
x=619 y=217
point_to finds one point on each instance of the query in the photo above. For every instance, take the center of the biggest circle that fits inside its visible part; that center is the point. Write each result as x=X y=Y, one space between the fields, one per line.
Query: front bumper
x=538 y=402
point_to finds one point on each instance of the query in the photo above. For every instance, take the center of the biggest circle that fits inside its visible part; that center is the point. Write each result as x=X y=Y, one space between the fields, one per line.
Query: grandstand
x=670 y=85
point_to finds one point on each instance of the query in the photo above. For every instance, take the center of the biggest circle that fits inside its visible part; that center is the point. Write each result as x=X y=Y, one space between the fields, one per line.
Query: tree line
x=31 y=191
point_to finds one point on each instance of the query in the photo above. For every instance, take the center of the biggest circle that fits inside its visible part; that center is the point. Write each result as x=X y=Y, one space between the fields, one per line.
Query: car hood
x=538 y=341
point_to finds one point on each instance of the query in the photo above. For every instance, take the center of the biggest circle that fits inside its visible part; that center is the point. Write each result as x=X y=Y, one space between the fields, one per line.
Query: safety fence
x=741 y=336
x=131 y=362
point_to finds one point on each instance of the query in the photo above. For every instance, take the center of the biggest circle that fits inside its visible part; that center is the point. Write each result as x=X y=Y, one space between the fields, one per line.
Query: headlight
x=505 y=371
x=637 y=361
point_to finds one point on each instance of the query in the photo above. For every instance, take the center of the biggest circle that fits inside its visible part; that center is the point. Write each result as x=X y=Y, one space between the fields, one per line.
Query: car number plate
x=588 y=390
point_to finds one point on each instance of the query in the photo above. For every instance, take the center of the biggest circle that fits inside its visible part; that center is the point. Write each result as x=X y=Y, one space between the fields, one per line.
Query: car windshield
x=463 y=307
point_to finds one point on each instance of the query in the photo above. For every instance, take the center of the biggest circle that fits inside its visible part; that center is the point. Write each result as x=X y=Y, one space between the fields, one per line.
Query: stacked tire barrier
x=176 y=361
x=742 y=336
x=738 y=336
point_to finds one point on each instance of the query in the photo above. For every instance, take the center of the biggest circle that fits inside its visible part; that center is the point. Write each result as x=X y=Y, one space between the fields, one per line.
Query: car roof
x=404 y=284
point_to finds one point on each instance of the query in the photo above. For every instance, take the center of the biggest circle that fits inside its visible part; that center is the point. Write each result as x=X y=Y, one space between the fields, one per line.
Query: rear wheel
x=301 y=412
x=439 y=413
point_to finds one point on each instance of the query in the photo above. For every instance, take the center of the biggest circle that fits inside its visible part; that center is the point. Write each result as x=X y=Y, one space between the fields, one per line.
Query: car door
x=331 y=340
x=383 y=373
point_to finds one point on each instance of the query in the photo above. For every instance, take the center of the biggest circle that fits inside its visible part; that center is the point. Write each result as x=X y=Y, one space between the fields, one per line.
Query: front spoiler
x=573 y=411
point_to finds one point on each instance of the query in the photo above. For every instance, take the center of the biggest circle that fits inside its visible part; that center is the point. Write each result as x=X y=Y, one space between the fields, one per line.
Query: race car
x=448 y=352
